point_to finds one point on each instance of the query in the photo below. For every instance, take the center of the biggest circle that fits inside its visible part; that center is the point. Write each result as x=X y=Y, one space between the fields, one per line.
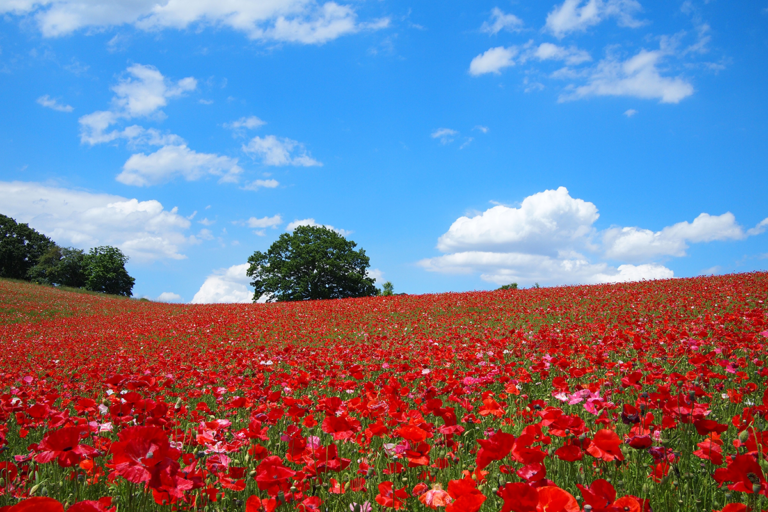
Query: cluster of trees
x=29 y=255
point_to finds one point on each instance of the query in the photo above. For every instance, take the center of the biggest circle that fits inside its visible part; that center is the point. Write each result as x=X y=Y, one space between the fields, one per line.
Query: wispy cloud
x=51 y=103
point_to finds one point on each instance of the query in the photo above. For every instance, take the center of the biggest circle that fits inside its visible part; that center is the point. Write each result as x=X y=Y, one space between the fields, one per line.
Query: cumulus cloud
x=280 y=151
x=144 y=230
x=444 y=135
x=142 y=92
x=579 y=15
x=500 y=21
x=637 y=77
x=52 y=103
x=543 y=224
x=169 y=162
x=493 y=61
x=169 y=297
x=297 y=21
x=226 y=285
x=631 y=112
x=551 y=238
x=636 y=244
x=503 y=268
x=311 y=222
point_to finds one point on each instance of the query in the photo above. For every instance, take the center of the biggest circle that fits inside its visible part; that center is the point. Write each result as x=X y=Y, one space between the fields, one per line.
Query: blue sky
x=463 y=146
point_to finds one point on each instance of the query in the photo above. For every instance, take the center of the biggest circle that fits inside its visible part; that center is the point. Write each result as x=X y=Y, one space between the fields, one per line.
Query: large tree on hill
x=20 y=248
x=312 y=263
x=104 y=269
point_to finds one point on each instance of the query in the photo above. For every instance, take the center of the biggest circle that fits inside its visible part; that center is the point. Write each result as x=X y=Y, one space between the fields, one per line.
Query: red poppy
x=519 y=497
x=272 y=476
x=599 y=495
x=390 y=497
x=554 y=499
x=37 y=504
x=743 y=472
x=606 y=445
x=64 y=445
x=496 y=447
x=466 y=496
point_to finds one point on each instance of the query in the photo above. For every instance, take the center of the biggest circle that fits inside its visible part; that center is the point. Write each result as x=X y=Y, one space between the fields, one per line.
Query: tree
x=312 y=263
x=20 y=248
x=387 y=289
x=510 y=286
x=105 y=272
x=60 y=266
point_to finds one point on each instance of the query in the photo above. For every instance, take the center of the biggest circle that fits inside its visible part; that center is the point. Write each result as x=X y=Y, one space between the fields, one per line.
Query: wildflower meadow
x=609 y=398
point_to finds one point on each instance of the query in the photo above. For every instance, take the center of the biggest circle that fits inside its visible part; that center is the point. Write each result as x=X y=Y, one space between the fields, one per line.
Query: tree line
x=31 y=256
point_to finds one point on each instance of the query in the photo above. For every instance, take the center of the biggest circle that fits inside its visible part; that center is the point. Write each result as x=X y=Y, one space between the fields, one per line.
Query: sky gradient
x=463 y=146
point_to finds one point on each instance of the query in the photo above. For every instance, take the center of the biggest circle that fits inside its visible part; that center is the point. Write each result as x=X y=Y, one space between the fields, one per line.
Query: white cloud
x=572 y=55
x=483 y=129
x=311 y=222
x=299 y=21
x=631 y=112
x=550 y=238
x=265 y=222
x=636 y=244
x=257 y=184
x=493 y=60
x=170 y=161
x=545 y=223
x=759 y=229
x=245 y=123
x=169 y=297
x=503 y=268
x=49 y=102
x=377 y=275
x=637 y=77
x=144 y=230
x=572 y=16
x=501 y=21
x=278 y=152
x=142 y=93
x=227 y=285
x=445 y=135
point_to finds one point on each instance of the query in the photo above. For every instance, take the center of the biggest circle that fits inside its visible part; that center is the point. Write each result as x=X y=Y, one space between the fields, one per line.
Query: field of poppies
x=612 y=398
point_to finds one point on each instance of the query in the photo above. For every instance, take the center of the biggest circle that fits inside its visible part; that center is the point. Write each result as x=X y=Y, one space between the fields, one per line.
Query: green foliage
x=104 y=268
x=510 y=286
x=312 y=263
x=60 y=266
x=387 y=289
x=20 y=248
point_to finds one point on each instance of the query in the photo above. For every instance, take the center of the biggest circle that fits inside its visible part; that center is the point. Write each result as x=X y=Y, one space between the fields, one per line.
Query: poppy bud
x=743 y=436
x=587 y=508
x=753 y=478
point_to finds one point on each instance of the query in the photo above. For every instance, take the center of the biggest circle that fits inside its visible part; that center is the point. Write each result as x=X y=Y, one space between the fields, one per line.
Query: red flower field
x=612 y=398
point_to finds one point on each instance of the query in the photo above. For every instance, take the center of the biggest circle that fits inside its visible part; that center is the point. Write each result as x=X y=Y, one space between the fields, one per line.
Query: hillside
x=326 y=404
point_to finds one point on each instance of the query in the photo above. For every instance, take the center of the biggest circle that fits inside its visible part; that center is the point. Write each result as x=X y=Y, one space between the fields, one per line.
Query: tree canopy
x=61 y=266
x=104 y=269
x=311 y=263
x=20 y=248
